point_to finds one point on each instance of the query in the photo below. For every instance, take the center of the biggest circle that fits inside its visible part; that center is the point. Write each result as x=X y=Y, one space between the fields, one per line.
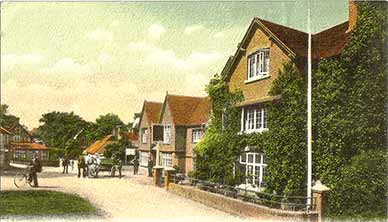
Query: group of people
x=65 y=163
x=83 y=163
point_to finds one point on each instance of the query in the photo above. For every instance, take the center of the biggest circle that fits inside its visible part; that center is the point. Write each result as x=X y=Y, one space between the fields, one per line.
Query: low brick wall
x=239 y=207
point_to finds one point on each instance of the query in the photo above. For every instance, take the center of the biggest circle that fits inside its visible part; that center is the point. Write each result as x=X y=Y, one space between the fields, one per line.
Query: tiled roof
x=28 y=146
x=98 y=146
x=294 y=39
x=330 y=42
x=327 y=43
x=187 y=110
x=3 y=130
x=152 y=110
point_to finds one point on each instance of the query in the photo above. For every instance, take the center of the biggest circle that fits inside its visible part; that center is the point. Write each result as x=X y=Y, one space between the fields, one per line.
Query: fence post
x=167 y=175
x=320 y=198
x=157 y=174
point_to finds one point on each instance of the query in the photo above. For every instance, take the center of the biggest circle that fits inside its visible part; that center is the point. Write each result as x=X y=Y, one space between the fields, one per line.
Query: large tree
x=7 y=120
x=58 y=128
x=105 y=124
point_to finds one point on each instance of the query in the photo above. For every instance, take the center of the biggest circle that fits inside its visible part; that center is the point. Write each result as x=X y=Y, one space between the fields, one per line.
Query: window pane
x=257 y=158
x=258 y=119
x=251 y=66
x=244 y=158
x=265 y=118
x=250 y=158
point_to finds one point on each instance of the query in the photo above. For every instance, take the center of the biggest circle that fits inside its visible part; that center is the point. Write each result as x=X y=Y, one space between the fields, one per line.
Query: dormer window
x=258 y=64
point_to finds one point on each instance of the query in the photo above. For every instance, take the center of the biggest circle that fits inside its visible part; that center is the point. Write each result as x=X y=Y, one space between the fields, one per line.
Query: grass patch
x=43 y=203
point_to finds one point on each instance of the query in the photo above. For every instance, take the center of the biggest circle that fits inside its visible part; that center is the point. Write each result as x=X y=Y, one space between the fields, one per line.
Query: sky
x=95 y=58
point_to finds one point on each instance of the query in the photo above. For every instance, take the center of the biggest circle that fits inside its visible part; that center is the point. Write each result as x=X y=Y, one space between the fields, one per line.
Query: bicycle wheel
x=20 y=180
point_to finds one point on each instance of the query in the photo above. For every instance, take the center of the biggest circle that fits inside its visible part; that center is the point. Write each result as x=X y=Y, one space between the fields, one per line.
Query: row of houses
x=17 y=143
x=168 y=131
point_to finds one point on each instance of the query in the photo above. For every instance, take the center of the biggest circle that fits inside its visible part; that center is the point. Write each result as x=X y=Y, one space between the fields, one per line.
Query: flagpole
x=309 y=116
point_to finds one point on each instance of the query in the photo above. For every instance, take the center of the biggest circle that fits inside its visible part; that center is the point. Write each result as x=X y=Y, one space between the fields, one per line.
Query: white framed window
x=167 y=134
x=258 y=64
x=196 y=135
x=166 y=159
x=255 y=120
x=254 y=168
x=144 y=133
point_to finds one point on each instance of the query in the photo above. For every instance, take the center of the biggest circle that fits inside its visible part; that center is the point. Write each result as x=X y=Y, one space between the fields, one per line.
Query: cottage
x=24 y=152
x=148 y=116
x=182 y=123
x=264 y=49
x=20 y=134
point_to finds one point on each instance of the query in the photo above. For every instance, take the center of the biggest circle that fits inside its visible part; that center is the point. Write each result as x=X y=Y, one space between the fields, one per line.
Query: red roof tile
x=152 y=110
x=187 y=110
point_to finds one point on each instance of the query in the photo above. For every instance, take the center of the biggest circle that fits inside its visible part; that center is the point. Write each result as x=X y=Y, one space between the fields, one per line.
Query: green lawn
x=43 y=203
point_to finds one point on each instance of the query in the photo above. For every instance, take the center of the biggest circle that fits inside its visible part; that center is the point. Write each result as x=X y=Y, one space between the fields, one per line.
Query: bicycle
x=22 y=178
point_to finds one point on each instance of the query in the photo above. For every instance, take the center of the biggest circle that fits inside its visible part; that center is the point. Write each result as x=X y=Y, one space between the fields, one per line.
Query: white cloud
x=100 y=35
x=155 y=31
x=219 y=35
x=12 y=61
x=193 y=29
x=108 y=82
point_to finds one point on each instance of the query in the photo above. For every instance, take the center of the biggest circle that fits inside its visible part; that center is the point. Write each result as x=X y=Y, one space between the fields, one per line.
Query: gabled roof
x=152 y=111
x=99 y=145
x=13 y=127
x=187 y=110
x=294 y=43
x=28 y=146
x=5 y=131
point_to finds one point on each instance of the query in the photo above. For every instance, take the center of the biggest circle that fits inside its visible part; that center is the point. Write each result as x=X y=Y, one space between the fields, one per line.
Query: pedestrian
x=81 y=166
x=72 y=164
x=35 y=168
x=150 y=166
x=117 y=165
x=65 y=164
x=135 y=166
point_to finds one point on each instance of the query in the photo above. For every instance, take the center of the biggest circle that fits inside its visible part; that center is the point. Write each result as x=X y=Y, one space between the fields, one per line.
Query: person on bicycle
x=35 y=167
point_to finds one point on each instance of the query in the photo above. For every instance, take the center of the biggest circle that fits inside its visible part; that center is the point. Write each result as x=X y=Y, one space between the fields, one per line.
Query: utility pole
x=309 y=116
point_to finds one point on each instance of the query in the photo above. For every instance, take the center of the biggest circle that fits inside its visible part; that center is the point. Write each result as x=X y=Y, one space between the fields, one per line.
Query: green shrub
x=362 y=188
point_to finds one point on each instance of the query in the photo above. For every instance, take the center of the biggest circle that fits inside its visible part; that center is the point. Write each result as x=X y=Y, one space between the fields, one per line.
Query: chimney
x=352 y=16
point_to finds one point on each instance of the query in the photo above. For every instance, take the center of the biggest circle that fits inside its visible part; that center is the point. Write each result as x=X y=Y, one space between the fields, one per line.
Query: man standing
x=65 y=164
x=135 y=166
x=81 y=166
x=36 y=167
x=150 y=165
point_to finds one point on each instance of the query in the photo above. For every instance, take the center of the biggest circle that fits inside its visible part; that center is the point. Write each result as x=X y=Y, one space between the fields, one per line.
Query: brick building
x=182 y=123
x=260 y=56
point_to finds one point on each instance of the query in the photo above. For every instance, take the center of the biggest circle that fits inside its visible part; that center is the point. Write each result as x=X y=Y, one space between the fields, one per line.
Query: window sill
x=254 y=131
x=257 y=78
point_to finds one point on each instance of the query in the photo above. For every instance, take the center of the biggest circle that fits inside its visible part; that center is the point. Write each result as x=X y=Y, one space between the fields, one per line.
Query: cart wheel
x=20 y=180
